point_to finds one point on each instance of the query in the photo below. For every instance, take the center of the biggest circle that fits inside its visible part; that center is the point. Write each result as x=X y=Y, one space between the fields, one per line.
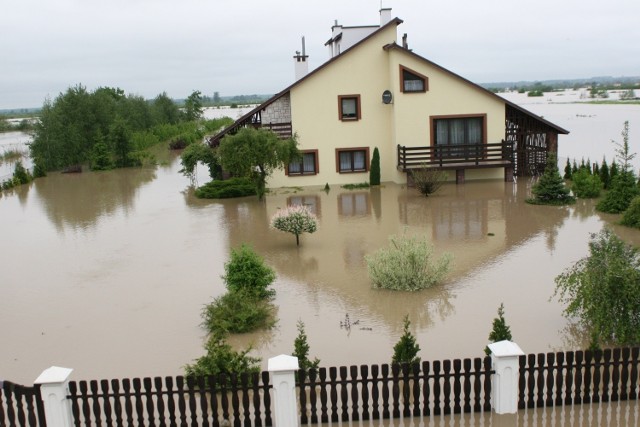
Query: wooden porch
x=458 y=158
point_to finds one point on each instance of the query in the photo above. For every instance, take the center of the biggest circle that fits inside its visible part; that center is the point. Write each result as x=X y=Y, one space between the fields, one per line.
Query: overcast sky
x=239 y=47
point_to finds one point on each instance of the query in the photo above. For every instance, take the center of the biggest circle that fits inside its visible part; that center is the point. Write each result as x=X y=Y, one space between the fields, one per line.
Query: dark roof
x=395 y=21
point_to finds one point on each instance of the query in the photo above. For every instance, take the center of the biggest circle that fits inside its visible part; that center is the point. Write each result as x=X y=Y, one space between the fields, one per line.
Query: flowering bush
x=296 y=220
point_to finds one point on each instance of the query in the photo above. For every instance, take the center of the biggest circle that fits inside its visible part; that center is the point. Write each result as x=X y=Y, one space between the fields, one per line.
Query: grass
x=11 y=155
x=355 y=186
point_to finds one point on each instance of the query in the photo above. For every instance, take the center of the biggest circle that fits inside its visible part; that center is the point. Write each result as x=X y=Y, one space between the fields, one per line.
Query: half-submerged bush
x=550 y=189
x=221 y=358
x=237 y=313
x=586 y=185
x=407 y=265
x=428 y=181
x=233 y=187
x=631 y=217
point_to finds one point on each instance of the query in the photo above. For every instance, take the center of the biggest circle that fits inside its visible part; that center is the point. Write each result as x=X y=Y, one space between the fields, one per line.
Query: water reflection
x=80 y=200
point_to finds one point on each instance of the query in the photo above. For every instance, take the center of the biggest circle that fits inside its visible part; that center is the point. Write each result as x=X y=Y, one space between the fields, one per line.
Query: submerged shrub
x=21 y=175
x=631 y=217
x=247 y=273
x=623 y=189
x=234 y=187
x=238 y=312
x=550 y=189
x=407 y=265
x=221 y=358
x=585 y=185
x=428 y=181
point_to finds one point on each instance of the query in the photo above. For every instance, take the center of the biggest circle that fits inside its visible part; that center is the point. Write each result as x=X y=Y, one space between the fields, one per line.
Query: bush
x=21 y=175
x=428 y=181
x=101 y=157
x=295 y=220
x=550 y=188
x=407 y=265
x=623 y=189
x=222 y=359
x=500 y=331
x=234 y=187
x=602 y=290
x=631 y=217
x=406 y=349
x=238 y=312
x=246 y=272
x=585 y=185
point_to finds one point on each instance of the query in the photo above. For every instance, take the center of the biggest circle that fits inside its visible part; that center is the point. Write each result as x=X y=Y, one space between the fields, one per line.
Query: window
x=458 y=130
x=410 y=81
x=308 y=164
x=349 y=107
x=352 y=160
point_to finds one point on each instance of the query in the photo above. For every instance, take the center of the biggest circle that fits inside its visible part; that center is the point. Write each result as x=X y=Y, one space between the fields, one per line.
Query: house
x=374 y=92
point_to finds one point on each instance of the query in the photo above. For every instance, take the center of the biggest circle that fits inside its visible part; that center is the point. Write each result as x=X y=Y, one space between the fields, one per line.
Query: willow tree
x=256 y=154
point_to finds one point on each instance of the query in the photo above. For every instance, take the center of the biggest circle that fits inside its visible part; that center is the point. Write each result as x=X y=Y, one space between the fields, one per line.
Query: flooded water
x=107 y=272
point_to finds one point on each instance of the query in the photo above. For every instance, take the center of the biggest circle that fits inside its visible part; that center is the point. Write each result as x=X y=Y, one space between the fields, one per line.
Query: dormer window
x=412 y=82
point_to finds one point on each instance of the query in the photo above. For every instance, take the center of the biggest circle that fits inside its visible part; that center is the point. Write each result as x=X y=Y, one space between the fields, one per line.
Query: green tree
x=255 y=154
x=501 y=331
x=193 y=106
x=296 y=220
x=623 y=186
x=604 y=174
x=101 y=155
x=374 y=171
x=216 y=97
x=602 y=290
x=407 y=348
x=567 y=170
x=550 y=188
x=246 y=271
x=301 y=350
x=631 y=217
x=120 y=138
x=164 y=110
x=199 y=153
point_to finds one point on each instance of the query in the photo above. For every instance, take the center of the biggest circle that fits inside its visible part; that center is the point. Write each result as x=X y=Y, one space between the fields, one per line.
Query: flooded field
x=107 y=272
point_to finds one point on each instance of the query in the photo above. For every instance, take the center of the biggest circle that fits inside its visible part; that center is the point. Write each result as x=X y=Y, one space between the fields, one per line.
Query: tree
x=407 y=265
x=246 y=271
x=199 y=153
x=406 y=349
x=604 y=174
x=603 y=290
x=567 y=170
x=631 y=217
x=255 y=154
x=301 y=350
x=164 y=110
x=374 y=171
x=296 y=220
x=585 y=185
x=501 y=331
x=623 y=186
x=216 y=97
x=550 y=189
x=120 y=137
x=193 y=106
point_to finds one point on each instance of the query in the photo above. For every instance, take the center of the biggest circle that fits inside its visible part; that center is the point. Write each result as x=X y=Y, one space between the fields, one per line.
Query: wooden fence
x=567 y=378
x=21 y=406
x=343 y=394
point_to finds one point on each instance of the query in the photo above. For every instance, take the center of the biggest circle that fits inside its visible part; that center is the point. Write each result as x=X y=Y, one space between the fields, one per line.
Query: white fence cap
x=53 y=374
x=283 y=363
x=505 y=349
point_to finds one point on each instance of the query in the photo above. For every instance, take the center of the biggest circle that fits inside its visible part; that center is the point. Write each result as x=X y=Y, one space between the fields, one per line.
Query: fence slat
x=426 y=390
x=364 y=374
x=615 y=377
x=344 y=396
x=551 y=366
x=559 y=378
x=577 y=399
x=626 y=352
x=355 y=396
x=324 y=417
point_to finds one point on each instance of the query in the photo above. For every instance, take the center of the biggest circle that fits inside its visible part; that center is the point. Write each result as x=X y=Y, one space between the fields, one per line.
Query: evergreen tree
x=406 y=349
x=374 y=172
x=550 y=189
x=574 y=167
x=567 y=170
x=301 y=350
x=501 y=331
x=604 y=174
x=596 y=169
x=623 y=185
x=613 y=172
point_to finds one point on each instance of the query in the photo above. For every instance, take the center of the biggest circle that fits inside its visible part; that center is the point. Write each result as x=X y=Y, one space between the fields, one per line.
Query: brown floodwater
x=107 y=272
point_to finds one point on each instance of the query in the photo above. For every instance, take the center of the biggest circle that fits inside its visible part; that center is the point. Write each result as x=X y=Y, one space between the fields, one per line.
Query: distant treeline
x=602 y=83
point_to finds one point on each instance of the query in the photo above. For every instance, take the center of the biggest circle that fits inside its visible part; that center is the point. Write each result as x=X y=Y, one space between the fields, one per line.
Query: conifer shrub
x=301 y=350
x=623 y=189
x=550 y=188
x=408 y=264
x=407 y=348
x=631 y=217
x=374 y=171
x=501 y=331
x=586 y=185
x=233 y=187
x=568 y=173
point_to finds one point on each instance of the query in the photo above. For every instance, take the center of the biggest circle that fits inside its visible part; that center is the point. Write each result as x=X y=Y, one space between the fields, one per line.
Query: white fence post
x=283 y=369
x=54 y=387
x=504 y=361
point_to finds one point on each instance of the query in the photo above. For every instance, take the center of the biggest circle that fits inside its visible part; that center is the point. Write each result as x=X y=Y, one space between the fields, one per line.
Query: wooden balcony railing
x=463 y=156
